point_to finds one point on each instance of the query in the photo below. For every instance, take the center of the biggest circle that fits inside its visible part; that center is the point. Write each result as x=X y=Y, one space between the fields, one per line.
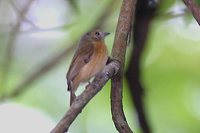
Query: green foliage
x=171 y=78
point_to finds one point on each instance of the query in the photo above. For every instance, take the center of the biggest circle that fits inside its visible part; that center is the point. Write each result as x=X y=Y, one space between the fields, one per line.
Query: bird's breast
x=97 y=62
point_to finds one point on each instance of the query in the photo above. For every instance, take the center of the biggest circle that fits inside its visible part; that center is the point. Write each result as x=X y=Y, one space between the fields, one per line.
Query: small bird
x=89 y=59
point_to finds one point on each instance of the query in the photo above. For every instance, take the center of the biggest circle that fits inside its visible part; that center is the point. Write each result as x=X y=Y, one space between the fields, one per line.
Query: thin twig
x=80 y=102
x=18 y=12
x=194 y=9
x=119 y=50
x=10 y=45
x=63 y=27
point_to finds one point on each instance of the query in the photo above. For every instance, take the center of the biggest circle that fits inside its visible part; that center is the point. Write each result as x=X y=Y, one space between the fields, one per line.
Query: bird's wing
x=81 y=57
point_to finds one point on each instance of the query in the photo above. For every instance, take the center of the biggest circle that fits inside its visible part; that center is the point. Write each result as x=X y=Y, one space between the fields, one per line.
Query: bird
x=88 y=61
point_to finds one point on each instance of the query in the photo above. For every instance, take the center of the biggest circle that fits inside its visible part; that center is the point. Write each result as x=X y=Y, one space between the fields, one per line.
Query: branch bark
x=194 y=9
x=126 y=18
x=90 y=91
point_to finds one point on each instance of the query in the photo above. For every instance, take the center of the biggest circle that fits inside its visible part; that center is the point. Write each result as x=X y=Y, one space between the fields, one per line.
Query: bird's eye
x=97 y=33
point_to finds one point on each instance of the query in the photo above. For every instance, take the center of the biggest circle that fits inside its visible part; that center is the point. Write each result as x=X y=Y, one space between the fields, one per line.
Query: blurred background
x=37 y=42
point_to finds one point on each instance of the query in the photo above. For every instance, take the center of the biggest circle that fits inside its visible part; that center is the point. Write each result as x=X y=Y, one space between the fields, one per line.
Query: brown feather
x=81 y=57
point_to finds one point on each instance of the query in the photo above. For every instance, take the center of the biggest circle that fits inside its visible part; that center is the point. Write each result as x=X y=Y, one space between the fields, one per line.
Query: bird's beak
x=106 y=33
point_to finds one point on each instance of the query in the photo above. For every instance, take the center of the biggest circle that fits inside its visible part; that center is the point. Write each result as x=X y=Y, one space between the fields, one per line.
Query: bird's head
x=96 y=35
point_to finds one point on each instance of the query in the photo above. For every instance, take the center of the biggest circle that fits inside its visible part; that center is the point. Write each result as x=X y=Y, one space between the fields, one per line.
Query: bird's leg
x=109 y=60
x=72 y=96
x=88 y=83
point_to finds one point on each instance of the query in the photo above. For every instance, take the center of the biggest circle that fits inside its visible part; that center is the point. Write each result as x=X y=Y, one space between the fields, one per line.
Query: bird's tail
x=72 y=97
x=72 y=93
x=69 y=86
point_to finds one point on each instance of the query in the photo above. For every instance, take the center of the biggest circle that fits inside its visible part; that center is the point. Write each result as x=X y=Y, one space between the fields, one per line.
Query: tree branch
x=37 y=74
x=90 y=91
x=194 y=9
x=20 y=13
x=119 y=50
x=143 y=18
x=10 y=45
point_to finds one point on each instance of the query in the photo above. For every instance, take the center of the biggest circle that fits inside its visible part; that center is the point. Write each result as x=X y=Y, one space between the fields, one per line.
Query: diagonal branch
x=40 y=72
x=194 y=9
x=119 y=50
x=81 y=101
